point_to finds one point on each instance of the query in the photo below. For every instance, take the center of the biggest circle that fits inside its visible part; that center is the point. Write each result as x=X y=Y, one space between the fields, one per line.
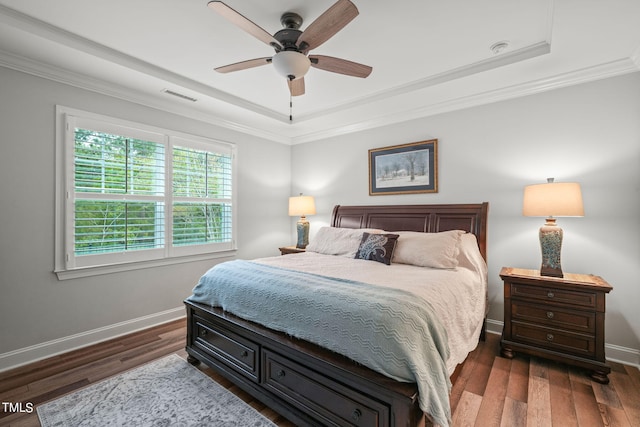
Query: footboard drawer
x=228 y=347
x=321 y=397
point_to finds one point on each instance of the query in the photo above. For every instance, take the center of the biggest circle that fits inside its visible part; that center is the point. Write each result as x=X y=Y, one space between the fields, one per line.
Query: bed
x=363 y=371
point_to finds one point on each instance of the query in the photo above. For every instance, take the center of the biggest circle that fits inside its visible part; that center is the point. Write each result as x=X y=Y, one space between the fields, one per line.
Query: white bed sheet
x=457 y=295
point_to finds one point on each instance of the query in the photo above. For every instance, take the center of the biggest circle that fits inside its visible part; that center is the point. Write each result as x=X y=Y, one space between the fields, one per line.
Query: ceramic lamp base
x=550 y=244
x=302 y=227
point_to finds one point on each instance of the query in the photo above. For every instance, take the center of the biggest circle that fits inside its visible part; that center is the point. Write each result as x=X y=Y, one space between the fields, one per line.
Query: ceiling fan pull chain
x=290 y=107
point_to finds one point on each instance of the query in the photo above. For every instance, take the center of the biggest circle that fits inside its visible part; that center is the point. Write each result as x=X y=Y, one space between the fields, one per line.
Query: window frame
x=67 y=265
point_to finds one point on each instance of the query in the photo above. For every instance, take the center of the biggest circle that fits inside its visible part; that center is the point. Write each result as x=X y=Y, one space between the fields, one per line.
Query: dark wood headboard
x=424 y=218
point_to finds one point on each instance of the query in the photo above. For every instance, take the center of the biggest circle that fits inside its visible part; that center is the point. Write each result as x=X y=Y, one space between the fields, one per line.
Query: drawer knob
x=549 y=337
x=281 y=373
x=550 y=314
x=244 y=354
x=550 y=294
x=203 y=332
x=355 y=416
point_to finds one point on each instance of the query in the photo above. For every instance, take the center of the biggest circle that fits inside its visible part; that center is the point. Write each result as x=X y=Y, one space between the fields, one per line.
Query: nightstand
x=559 y=318
x=290 y=250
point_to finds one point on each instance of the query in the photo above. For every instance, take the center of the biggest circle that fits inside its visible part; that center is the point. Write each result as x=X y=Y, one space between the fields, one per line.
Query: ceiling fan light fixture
x=290 y=63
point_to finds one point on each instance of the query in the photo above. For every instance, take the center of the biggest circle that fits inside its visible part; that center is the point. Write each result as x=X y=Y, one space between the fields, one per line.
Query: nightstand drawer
x=554 y=339
x=547 y=315
x=564 y=297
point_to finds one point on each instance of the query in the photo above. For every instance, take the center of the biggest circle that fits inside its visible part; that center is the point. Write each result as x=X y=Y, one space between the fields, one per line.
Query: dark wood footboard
x=304 y=382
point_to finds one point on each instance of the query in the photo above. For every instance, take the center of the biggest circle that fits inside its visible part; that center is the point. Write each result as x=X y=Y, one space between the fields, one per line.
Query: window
x=132 y=193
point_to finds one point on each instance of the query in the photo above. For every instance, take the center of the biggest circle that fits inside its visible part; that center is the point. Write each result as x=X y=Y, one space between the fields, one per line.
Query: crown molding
x=635 y=57
x=611 y=69
x=53 y=33
x=50 y=32
x=585 y=75
x=497 y=61
x=81 y=81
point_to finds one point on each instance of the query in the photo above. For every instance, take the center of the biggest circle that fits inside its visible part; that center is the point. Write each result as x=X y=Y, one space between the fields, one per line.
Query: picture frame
x=404 y=169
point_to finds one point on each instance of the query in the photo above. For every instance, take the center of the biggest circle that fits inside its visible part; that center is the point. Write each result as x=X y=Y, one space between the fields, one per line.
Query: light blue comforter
x=388 y=330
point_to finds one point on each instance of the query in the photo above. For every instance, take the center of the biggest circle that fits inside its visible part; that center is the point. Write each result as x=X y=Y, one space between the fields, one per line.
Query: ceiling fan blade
x=244 y=65
x=341 y=66
x=245 y=24
x=296 y=87
x=327 y=24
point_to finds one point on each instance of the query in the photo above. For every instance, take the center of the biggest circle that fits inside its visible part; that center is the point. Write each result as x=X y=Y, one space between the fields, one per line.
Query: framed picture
x=404 y=169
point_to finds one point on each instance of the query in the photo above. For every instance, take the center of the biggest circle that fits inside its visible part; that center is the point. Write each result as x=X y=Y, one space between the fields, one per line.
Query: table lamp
x=551 y=200
x=302 y=206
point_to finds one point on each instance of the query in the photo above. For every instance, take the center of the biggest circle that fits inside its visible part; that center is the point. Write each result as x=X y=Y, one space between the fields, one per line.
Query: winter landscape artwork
x=403 y=169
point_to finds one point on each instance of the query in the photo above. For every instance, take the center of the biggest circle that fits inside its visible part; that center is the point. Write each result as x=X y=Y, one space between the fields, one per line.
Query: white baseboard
x=615 y=353
x=494 y=326
x=24 y=356
x=624 y=355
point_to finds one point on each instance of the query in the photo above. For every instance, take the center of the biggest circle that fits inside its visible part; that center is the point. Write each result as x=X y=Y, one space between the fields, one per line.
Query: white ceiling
x=427 y=56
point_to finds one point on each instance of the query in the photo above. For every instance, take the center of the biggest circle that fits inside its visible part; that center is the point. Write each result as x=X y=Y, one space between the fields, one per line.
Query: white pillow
x=338 y=241
x=470 y=256
x=436 y=250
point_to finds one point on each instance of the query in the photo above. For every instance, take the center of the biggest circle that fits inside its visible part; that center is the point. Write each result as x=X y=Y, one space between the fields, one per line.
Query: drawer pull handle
x=355 y=416
x=550 y=294
x=550 y=314
x=244 y=354
x=281 y=373
x=549 y=337
x=203 y=332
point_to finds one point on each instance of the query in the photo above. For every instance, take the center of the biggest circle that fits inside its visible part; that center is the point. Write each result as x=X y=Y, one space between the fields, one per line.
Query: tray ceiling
x=427 y=56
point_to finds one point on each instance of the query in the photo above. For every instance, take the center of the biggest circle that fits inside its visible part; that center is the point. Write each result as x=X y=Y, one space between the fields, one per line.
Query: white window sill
x=117 y=268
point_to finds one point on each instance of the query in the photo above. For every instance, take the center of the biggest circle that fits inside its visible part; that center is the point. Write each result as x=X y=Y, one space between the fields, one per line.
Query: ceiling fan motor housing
x=288 y=38
x=289 y=61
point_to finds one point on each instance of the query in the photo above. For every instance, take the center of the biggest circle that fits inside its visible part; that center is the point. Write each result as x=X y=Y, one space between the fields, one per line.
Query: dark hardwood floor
x=489 y=391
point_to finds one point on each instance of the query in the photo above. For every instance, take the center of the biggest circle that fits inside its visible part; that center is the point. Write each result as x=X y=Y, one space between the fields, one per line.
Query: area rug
x=166 y=392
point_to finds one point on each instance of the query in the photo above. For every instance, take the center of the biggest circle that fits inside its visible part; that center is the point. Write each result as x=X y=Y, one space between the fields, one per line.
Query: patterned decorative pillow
x=377 y=247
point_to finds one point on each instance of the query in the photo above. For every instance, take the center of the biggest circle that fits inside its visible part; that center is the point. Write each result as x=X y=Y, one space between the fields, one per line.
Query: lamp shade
x=553 y=199
x=291 y=64
x=302 y=205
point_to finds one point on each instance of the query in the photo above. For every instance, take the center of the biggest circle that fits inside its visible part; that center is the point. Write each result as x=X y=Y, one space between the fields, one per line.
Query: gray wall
x=35 y=307
x=588 y=133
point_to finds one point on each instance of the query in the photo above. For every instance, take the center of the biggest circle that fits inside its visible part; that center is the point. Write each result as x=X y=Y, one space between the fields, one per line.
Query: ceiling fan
x=292 y=46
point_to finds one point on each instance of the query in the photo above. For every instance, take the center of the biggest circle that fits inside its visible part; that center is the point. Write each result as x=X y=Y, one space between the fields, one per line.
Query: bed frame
x=308 y=384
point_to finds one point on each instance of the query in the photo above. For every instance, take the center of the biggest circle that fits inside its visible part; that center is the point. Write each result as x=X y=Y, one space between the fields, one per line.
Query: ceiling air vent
x=180 y=95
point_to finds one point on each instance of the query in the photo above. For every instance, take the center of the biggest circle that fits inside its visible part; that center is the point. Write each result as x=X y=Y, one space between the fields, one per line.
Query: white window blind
x=202 y=197
x=119 y=191
x=139 y=193
x=202 y=194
